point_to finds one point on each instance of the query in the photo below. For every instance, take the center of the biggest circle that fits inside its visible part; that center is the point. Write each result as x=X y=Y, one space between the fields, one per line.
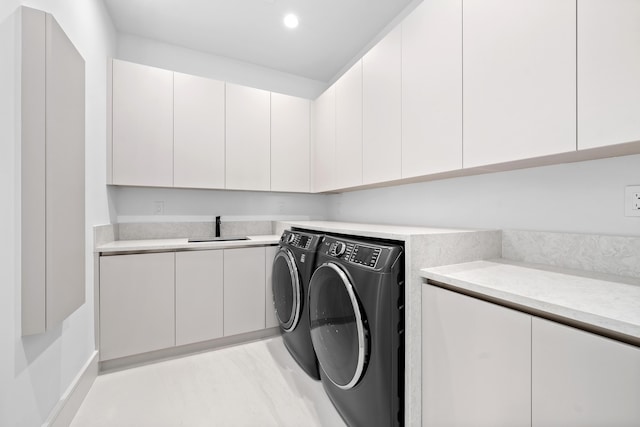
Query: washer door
x=337 y=327
x=286 y=289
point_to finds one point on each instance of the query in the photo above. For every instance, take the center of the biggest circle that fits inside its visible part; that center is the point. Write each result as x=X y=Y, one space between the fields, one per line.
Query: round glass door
x=337 y=329
x=286 y=290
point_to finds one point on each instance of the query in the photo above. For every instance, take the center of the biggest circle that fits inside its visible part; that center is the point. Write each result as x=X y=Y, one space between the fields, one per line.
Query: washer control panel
x=297 y=239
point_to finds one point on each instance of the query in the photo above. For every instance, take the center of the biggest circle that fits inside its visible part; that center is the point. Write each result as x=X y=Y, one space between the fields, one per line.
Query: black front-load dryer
x=356 y=312
x=293 y=266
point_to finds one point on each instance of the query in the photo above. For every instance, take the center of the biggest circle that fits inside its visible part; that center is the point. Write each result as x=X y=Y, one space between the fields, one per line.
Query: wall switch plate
x=632 y=200
x=158 y=208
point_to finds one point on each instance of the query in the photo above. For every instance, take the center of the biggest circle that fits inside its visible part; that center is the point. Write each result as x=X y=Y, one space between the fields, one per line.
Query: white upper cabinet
x=248 y=165
x=348 y=157
x=608 y=72
x=324 y=141
x=432 y=88
x=381 y=110
x=142 y=125
x=290 y=135
x=519 y=79
x=198 y=136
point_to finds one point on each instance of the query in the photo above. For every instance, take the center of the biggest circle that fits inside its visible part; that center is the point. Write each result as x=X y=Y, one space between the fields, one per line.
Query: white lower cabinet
x=270 y=313
x=476 y=362
x=199 y=296
x=487 y=365
x=244 y=295
x=136 y=304
x=155 y=301
x=582 y=379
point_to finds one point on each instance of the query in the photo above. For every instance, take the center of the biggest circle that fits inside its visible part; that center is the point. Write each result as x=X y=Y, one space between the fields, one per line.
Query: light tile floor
x=251 y=385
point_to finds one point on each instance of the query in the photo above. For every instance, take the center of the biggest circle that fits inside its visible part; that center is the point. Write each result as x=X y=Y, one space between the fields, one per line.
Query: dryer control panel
x=361 y=253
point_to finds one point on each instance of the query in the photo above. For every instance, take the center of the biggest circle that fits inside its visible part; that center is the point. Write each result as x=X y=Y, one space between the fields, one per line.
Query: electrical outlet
x=632 y=200
x=158 y=208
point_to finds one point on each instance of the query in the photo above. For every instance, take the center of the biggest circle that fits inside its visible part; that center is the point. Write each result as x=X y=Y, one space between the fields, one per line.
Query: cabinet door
x=270 y=312
x=324 y=141
x=519 y=79
x=199 y=296
x=581 y=379
x=136 y=304
x=381 y=110
x=248 y=131
x=244 y=295
x=348 y=157
x=432 y=88
x=142 y=125
x=289 y=143
x=608 y=70
x=476 y=362
x=52 y=171
x=198 y=137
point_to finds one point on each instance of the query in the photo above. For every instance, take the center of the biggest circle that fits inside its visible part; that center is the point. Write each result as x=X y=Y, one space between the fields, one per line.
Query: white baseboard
x=67 y=407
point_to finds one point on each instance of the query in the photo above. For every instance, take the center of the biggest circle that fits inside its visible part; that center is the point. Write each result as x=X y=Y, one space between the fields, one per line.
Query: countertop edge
x=612 y=328
x=159 y=245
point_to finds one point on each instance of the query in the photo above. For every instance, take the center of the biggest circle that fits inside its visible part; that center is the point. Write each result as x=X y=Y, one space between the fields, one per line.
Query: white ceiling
x=330 y=34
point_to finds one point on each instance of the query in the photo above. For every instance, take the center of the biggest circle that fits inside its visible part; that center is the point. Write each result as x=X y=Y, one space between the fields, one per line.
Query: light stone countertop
x=603 y=303
x=383 y=231
x=181 y=244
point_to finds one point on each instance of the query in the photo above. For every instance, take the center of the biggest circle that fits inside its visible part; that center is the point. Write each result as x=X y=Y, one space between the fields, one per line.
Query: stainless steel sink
x=217 y=239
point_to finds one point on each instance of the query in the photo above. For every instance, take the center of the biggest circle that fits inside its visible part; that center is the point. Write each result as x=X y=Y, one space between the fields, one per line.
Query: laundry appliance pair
x=340 y=304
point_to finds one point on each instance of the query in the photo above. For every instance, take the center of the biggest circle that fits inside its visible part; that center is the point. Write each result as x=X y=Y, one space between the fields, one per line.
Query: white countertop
x=395 y=232
x=181 y=244
x=607 y=303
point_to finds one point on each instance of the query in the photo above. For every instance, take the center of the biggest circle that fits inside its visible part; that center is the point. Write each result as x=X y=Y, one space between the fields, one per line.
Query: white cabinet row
x=543 y=79
x=176 y=130
x=159 y=300
x=484 y=364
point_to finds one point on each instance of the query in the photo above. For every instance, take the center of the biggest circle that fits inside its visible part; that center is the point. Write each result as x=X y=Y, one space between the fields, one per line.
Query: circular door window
x=286 y=290
x=337 y=326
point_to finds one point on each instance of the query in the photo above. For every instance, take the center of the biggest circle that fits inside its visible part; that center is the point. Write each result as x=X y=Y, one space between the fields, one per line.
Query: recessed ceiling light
x=291 y=21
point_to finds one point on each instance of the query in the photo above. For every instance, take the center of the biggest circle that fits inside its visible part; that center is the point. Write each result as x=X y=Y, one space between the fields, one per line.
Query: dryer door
x=286 y=289
x=339 y=336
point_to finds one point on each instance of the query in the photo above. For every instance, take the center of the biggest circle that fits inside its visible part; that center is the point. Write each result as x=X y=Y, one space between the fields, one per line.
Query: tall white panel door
x=248 y=130
x=136 y=304
x=244 y=290
x=290 y=141
x=580 y=379
x=199 y=296
x=52 y=119
x=324 y=141
x=476 y=362
x=432 y=88
x=270 y=311
x=348 y=158
x=142 y=128
x=381 y=110
x=198 y=136
x=608 y=70
x=519 y=79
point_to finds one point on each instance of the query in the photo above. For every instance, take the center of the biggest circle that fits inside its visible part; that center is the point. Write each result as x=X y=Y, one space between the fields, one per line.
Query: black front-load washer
x=293 y=266
x=356 y=312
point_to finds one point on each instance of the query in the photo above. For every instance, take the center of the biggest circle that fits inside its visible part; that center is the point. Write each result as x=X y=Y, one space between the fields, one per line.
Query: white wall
x=133 y=204
x=585 y=197
x=35 y=371
x=176 y=58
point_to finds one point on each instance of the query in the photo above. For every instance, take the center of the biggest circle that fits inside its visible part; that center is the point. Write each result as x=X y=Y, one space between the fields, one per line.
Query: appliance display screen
x=363 y=255
x=303 y=241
